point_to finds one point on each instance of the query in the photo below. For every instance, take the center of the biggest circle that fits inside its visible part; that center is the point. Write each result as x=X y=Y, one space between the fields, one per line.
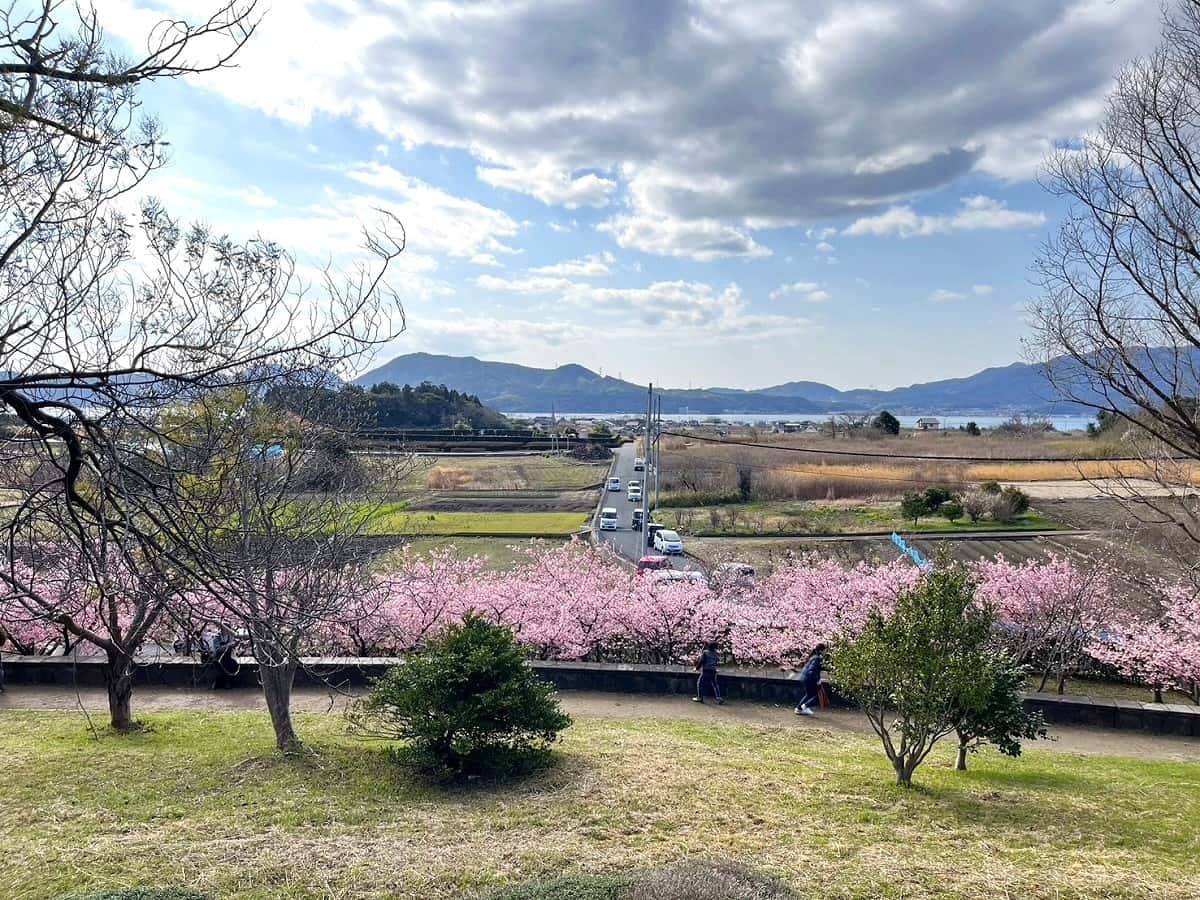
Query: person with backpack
x=707 y=664
x=810 y=682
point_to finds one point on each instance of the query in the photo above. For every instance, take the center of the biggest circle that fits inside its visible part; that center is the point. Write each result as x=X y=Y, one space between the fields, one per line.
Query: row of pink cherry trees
x=574 y=602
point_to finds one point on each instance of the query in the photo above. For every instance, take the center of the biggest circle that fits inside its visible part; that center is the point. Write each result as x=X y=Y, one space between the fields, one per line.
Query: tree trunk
x=277 y=689
x=1158 y=698
x=904 y=771
x=960 y=762
x=118 y=677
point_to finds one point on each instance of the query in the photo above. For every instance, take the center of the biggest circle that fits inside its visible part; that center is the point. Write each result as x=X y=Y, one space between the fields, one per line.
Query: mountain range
x=509 y=387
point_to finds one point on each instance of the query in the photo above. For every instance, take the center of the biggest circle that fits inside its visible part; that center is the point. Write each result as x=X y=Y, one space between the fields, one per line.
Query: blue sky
x=698 y=193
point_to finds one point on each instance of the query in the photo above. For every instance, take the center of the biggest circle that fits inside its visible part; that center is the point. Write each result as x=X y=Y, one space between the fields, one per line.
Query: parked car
x=652 y=529
x=639 y=464
x=667 y=541
x=608 y=519
x=652 y=564
x=678 y=575
x=614 y=483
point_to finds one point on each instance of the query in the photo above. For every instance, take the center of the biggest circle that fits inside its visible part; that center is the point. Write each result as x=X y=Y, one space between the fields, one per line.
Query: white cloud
x=982 y=290
x=561 y=228
x=486 y=259
x=941 y=295
x=825 y=247
x=808 y=291
x=551 y=185
x=436 y=220
x=593 y=266
x=977 y=213
x=702 y=240
x=638 y=96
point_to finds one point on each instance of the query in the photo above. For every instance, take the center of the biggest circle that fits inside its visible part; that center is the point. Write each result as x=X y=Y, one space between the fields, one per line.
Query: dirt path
x=609 y=706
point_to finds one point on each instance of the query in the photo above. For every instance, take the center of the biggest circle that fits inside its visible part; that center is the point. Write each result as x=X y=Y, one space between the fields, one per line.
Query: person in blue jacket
x=810 y=680
x=707 y=664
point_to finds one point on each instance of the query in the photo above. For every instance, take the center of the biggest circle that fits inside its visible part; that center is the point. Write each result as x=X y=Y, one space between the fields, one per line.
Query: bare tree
x=1118 y=320
x=276 y=530
x=109 y=321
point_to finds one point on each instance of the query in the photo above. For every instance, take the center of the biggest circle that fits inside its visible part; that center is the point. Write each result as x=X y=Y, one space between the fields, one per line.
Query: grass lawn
x=792 y=517
x=397 y=518
x=200 y=800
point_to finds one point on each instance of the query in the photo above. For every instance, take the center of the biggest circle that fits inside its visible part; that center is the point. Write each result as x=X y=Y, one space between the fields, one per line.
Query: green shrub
x=936 y=496
x=952 y=510
x=990 y=487
x=1017 y=497
x=568 y=887
x=700 y=498
x=139 y=893
x=469 y=705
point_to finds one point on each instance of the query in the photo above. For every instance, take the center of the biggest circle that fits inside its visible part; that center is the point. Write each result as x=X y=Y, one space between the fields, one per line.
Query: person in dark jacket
x=810 y=681
x=707 y=664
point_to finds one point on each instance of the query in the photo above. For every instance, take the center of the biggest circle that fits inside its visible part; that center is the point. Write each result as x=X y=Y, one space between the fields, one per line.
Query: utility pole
x=657 y=444
x=646 y=457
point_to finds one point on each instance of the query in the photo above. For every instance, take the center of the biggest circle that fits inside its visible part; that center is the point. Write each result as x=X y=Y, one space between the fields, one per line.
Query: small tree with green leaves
x=952 y=510
x=936 y=495
x=1002 y=720
x=1017 y=497
x=913 y=506
x=972 y=428
x=468 y=705
x=886 y=423
x=921 y=670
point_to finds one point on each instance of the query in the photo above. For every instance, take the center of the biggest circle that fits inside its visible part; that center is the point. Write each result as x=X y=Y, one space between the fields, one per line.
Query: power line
x=927 y=458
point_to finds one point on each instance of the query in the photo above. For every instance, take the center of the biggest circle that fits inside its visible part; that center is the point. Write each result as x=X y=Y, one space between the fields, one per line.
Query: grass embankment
x=397 y=518
x=199 y=799
x=785 y=518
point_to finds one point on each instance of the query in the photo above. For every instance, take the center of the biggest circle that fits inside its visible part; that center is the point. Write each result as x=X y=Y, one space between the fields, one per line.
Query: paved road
x=625 y=540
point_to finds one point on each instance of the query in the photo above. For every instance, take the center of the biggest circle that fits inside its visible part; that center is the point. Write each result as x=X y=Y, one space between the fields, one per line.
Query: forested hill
x=387 y=405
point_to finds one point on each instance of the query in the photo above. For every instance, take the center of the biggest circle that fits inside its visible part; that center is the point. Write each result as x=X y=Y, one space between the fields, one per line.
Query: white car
x=635 y=494
x=639 y=464
x=667 y=542
x=608 y=519
x=614 y=483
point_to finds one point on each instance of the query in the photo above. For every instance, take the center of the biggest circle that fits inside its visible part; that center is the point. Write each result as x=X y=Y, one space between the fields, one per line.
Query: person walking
x=707 y=664
x=810 y=682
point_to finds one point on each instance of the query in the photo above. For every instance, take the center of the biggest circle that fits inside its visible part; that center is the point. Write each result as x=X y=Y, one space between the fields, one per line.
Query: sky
x=708 y=193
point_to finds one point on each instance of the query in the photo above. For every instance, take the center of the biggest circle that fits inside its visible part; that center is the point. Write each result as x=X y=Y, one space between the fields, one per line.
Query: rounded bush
x=467 y=705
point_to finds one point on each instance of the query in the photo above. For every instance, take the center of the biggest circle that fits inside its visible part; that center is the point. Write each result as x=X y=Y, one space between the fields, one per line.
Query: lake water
x=1061 y=423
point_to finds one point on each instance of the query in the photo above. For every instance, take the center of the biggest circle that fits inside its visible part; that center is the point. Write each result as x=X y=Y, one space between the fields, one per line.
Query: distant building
x=928 y=423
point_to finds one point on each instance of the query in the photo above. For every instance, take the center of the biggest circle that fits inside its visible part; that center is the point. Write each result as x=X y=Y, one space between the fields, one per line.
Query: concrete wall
x=737 y=684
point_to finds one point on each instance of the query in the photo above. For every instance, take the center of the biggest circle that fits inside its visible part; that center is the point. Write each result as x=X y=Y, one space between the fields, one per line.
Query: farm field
x=824 y=472
x=801 y=517
x=200 y=799
x=400 y=518
x=504 y=473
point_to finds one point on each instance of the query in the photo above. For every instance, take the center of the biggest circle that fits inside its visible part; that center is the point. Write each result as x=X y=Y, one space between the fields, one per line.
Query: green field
x=397 y=518
x=199 y=799
x=801 y=517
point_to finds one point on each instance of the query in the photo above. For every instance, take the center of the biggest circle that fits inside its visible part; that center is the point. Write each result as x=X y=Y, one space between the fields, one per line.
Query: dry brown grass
x=445 y=477
x=200 y=800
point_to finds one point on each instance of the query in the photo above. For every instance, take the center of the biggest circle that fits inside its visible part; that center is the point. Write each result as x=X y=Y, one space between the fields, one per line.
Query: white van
x=608 y=519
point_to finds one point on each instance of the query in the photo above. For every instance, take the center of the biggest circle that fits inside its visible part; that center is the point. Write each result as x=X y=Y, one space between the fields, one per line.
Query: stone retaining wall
x=737 y=684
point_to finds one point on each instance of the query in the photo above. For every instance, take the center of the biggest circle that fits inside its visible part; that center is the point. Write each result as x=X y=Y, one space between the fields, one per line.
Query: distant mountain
x=573 y=388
